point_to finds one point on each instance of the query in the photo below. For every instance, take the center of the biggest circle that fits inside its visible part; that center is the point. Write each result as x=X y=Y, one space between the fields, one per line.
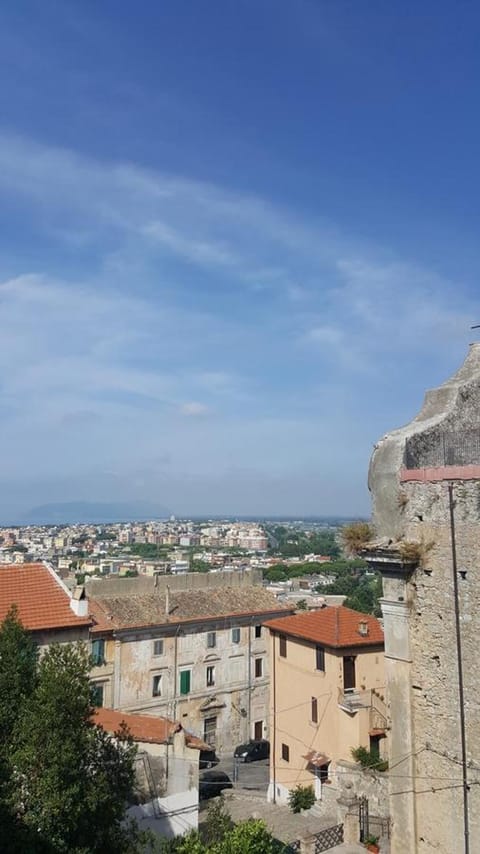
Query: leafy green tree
x=71 y=780
x=18 y=668
x=247 y=837
x=199 y=566
x=217 y=824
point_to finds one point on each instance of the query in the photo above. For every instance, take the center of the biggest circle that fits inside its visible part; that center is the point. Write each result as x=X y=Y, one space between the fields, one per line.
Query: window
x=97 y=694
x=185 y=680
x=210 y=676
x=314 y=710
x=258 y=668
x=158 y=647
x=285 y=753
x=258 y=631
x=258 y=730
x=98 y=652
x=211 y=639
x=235 y=635
x=157 y=686
x=210 y=731
x=283 y=646
x=320 y=658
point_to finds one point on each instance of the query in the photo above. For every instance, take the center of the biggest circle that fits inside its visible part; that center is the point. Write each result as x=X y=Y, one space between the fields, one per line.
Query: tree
x=18 y=668
x=70 y=781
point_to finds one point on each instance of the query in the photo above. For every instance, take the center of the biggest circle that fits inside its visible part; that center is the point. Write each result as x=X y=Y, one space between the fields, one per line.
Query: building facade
x=199 y=656
x=327 y=695
x=425 y=484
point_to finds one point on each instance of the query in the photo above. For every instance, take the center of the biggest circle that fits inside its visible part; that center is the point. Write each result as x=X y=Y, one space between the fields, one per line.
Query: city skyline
x=237 y=243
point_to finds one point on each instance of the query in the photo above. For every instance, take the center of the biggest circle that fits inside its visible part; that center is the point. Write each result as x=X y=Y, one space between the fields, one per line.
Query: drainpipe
x=249 y=679
x=458 y=636
x=274 y=723
x=175 y=659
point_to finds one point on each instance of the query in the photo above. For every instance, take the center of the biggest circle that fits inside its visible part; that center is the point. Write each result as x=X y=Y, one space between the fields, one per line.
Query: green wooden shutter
x=185 y=682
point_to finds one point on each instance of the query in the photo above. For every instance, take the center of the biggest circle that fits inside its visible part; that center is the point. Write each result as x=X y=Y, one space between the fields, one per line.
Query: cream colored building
x=327 y=695
x=196 y=654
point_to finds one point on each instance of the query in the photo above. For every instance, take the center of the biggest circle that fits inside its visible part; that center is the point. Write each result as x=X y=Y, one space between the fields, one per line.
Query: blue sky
x=238 y=240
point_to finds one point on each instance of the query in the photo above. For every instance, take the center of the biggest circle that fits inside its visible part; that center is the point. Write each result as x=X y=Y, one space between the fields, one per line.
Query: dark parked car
x=208 y=758
x=212 y=783
x=252 y=751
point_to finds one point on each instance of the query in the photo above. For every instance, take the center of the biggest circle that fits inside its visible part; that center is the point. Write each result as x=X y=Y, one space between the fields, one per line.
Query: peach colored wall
x=296 y=681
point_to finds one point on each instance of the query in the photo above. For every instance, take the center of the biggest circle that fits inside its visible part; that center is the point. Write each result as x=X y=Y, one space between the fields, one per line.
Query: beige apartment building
x=192 y=649
x=327 y=695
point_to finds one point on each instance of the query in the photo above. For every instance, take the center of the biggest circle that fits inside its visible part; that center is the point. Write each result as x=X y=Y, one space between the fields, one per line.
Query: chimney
x=79 y=602
x=167 y=600
x=363 y=628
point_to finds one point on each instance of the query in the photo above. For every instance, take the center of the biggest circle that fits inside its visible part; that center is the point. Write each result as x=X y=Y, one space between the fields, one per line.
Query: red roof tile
x=41 y=601
x=331 y=626
x=148 y=728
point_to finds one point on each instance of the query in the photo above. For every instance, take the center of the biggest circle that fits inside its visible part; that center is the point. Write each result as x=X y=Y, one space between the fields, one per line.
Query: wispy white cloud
x=118 y=354
x=194 y=408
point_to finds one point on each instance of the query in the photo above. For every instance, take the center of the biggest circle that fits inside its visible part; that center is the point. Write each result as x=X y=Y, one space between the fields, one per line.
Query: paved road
x=246 y=775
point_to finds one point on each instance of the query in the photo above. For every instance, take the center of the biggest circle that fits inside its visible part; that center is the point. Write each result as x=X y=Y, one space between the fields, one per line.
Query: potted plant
x=371 y=844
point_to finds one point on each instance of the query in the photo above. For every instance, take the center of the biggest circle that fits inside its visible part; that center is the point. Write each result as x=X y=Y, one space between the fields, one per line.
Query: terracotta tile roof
x=41 y=600
x=147 y=728
x=142 y=610
x=331 y=626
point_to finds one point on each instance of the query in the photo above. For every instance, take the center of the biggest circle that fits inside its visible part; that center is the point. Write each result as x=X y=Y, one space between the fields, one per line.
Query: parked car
x=252 y=750
x=208 y=758
x=212 y=784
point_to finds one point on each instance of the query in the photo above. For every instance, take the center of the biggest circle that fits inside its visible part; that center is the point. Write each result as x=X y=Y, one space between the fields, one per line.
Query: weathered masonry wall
x=411 y=505
x=187 y=581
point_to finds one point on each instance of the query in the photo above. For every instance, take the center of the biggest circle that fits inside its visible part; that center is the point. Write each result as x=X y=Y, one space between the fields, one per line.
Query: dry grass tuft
x=355 y=536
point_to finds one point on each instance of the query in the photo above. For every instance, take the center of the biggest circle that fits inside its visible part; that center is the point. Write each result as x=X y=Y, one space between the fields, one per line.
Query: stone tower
x=410 y=474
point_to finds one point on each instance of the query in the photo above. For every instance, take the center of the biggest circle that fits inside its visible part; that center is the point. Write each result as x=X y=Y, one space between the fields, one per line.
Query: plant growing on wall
x=301 y=798
x=412 y=552
x=355 y=536
x=368 y=759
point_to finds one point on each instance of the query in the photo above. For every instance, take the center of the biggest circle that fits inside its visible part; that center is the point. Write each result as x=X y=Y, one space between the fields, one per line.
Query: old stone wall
x=434 y=674
x=186 y=581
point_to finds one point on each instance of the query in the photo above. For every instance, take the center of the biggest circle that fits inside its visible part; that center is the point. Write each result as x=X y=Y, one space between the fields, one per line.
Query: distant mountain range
x=84 y=512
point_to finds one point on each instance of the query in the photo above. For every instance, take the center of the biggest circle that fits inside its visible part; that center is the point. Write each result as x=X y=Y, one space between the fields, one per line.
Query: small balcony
x=353 y=700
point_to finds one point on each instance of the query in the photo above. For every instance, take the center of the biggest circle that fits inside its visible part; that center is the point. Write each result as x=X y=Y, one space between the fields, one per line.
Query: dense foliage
x=301 y=798
x=64 y=782
x=218 y=835
x=292 y=542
